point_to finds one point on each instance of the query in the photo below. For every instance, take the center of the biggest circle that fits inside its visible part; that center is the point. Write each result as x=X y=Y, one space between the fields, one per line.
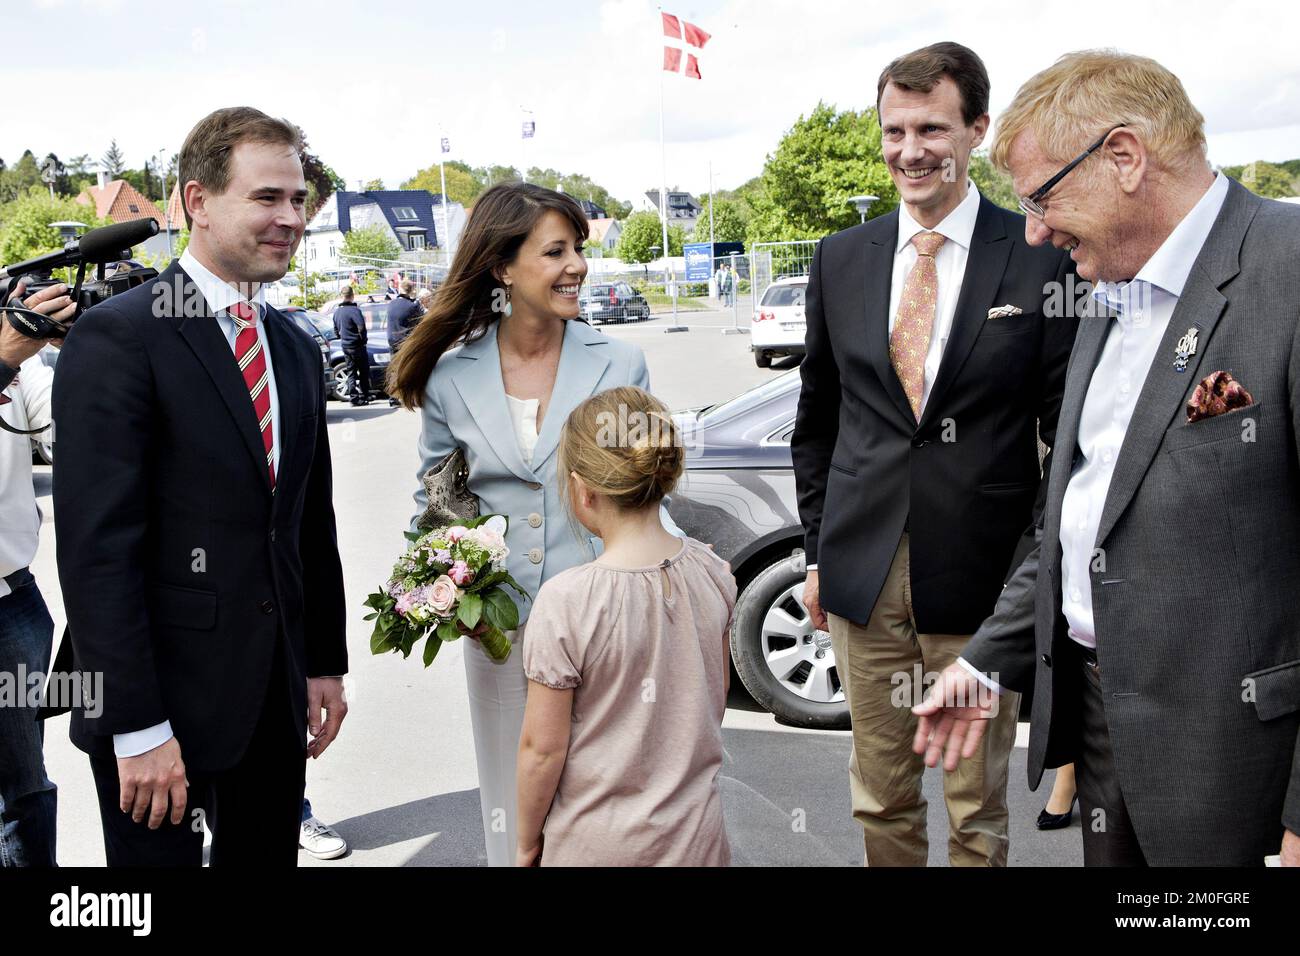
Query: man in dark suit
x=351 y=325
x=196 y=539
x=931 y=370
x=1156 y=620
x=403 y=313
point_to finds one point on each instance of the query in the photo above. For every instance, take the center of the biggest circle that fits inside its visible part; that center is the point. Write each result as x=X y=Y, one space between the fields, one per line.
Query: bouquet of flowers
x=450 y=582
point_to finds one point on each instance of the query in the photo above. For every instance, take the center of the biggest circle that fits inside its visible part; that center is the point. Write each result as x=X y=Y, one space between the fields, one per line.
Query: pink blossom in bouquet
x=456 y=532
x=443 y=595
x=460 y=573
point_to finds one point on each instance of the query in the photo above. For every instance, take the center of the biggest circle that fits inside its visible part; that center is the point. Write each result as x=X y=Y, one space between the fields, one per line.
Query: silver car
x=738 y=494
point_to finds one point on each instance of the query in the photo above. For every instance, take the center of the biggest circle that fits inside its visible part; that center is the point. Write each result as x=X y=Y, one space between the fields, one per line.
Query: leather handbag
x=450 y=500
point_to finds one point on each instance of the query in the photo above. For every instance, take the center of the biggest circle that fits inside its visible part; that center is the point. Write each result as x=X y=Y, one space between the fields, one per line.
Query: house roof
x=119 y=201
x=591 y=209
x=426 y=207
x=598 y=229
x=176 y=211
x=681 y=205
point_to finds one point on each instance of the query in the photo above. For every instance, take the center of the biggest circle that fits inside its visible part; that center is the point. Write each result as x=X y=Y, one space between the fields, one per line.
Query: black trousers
x=1108 y=837
x=358 y=372
x=253 y=809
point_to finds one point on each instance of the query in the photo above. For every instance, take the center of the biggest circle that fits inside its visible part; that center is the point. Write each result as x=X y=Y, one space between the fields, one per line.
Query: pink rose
x=460 y=573
x=456 y=532
x=443 y=595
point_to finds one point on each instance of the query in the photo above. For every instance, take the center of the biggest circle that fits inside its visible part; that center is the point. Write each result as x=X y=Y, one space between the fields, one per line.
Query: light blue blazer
x=465 y=407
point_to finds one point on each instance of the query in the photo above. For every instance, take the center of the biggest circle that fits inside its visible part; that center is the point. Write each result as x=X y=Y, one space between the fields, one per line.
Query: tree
x=821 y=162
x=993 y=184
x=16 y=180
x=372 y=242
x=113 y=162
x=462 y=186
x=1264 y=179
x=26 y=232
x=373 y=185
x=491 y=175
x=730 y=219
x=641 y=231
x=580 y=187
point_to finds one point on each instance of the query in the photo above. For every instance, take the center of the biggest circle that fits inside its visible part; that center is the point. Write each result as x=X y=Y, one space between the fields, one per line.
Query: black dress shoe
x=1056 y=821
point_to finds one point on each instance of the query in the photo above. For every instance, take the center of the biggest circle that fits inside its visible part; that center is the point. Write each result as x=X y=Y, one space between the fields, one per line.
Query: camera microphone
x=98 y=246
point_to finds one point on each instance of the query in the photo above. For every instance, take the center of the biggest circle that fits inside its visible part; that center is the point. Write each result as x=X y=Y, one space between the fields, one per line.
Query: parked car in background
x=322 y=332
x=375 y=309
x=612 y=302
x=738 y=494
x=778 y=326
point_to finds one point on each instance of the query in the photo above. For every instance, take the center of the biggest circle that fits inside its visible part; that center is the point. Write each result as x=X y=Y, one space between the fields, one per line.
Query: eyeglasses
x=1030 y=205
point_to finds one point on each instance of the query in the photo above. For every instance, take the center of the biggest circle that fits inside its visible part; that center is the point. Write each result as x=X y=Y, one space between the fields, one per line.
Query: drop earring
x=509 y=308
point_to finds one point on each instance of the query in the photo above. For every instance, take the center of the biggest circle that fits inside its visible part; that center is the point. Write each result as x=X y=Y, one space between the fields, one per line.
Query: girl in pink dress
x=627 y=661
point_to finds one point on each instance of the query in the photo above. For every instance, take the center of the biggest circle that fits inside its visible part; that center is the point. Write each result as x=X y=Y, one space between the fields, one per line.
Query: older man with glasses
x=1156 y=620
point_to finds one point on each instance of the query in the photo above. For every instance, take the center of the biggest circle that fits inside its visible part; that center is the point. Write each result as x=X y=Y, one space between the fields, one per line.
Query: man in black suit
x=351 y=325
x=403 y=313
x=196 y=540
x=931 y=371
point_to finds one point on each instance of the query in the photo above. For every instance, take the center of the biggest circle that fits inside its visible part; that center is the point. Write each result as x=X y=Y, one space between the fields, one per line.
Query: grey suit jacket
x=465 y=407
x=1195 y=604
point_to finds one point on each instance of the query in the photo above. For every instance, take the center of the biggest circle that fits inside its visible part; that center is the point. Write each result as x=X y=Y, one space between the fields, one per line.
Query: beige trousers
x=878 y=666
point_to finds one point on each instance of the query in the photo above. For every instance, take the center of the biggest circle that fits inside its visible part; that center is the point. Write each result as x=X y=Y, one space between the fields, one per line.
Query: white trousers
x=497 y=695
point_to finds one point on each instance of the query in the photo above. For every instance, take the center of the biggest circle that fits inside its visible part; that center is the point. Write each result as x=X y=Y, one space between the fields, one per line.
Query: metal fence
x=770 y=261
x=372 y=274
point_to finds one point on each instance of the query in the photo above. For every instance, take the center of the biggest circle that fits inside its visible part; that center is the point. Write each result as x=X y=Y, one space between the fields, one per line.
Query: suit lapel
x=986 y=262
x=483 y=392
x=580 y=370
x=878 y=276
x=199 y=328
x=1164 y=392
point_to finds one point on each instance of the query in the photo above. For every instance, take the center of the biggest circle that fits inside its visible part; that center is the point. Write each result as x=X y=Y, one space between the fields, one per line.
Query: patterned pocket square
x=1004 y=311
x=1217 y=394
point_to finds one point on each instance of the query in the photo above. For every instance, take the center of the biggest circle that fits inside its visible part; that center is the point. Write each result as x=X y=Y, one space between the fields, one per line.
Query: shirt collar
x=958 y=226
x=219 y=294
x=1169 y=266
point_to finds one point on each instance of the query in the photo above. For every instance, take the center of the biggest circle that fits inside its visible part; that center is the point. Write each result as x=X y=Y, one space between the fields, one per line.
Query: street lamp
x=863 y=204
x=67 y=232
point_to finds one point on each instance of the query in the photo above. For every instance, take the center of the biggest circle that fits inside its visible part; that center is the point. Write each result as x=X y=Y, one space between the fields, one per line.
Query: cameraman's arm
x=104 y=404
x=38 y=382
x=15 y=347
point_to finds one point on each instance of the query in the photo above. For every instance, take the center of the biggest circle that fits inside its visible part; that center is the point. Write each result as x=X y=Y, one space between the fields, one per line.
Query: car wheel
x=785 y=663
x=763 y=359
x=340 y=381
x=43 y=451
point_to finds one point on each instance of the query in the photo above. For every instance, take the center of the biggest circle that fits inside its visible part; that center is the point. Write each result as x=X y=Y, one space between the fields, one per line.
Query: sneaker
x=320 y=841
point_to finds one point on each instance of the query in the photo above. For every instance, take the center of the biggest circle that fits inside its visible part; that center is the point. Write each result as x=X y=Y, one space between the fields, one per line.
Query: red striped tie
x=252 y=363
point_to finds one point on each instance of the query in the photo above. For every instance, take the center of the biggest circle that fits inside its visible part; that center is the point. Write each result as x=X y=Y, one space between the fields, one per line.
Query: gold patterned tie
x=910 y=340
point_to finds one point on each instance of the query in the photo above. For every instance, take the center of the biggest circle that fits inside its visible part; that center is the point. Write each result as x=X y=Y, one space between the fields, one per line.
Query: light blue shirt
x=220 y=296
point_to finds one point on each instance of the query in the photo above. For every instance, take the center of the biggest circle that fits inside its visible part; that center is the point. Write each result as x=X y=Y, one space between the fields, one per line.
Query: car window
x=784 y=295
x=787 y=382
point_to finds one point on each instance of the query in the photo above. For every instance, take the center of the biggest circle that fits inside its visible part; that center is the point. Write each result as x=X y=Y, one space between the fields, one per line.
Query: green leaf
x=431 y=648
x=504 y=614
x=413 y=535
x=447 y=631
x=470 y=610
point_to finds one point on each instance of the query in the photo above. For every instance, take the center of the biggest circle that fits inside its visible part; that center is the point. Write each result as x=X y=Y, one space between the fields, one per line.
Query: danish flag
x=681 y=30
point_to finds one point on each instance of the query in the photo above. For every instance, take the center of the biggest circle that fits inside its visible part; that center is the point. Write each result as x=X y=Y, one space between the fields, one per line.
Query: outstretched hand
x=954 y=713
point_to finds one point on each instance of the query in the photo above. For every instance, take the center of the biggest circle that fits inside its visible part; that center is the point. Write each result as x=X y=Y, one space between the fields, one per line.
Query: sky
x=376 y=85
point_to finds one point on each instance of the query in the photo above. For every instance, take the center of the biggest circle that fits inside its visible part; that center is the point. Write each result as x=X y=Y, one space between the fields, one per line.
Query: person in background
x=319 y=839
x=628 y=664
x=351 y=325
x=28 y=799
x=403 y=313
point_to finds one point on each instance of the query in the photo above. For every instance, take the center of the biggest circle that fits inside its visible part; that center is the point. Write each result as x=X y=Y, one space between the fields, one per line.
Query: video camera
x=98 y=247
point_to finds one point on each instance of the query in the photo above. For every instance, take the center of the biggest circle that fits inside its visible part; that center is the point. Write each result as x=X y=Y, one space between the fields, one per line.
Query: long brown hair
x=463 y=306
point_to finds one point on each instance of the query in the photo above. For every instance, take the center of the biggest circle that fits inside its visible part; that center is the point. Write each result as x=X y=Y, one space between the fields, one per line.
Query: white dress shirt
x=1143 y=308
x=957 y=228
x=20 y=516
x=220 y=296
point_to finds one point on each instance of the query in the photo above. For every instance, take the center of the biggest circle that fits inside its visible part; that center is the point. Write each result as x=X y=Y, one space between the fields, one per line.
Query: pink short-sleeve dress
x=644 y=650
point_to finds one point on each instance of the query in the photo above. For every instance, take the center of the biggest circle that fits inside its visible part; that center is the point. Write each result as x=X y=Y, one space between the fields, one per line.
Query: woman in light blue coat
x=496 y=368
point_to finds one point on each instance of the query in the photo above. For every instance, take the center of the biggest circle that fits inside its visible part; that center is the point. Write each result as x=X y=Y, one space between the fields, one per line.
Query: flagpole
x=442 y=173
x=663 y=196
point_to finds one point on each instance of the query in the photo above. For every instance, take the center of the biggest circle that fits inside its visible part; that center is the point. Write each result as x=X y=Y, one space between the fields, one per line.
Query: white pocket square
x=1002 y=311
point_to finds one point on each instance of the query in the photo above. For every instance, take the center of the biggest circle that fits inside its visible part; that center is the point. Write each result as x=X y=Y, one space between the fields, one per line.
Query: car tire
x=43 y=452
x=775 y=651
x=763 y=359
x=339 y=378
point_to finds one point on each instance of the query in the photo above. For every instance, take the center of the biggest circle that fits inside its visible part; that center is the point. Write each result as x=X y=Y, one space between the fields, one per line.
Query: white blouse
x=523 y=412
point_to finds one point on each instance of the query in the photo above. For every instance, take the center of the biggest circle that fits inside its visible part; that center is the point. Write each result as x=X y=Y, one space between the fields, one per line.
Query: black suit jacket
x=963 y=480
x=351 y=323
x=182 y=573
x=403 y=313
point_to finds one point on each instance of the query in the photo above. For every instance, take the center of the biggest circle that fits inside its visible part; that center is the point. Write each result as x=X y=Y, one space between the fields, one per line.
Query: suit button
x=272 y=534
x=534 y=520
x=1047 y=659
x=534 y=486
x=535 y=555
x=267 y=607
